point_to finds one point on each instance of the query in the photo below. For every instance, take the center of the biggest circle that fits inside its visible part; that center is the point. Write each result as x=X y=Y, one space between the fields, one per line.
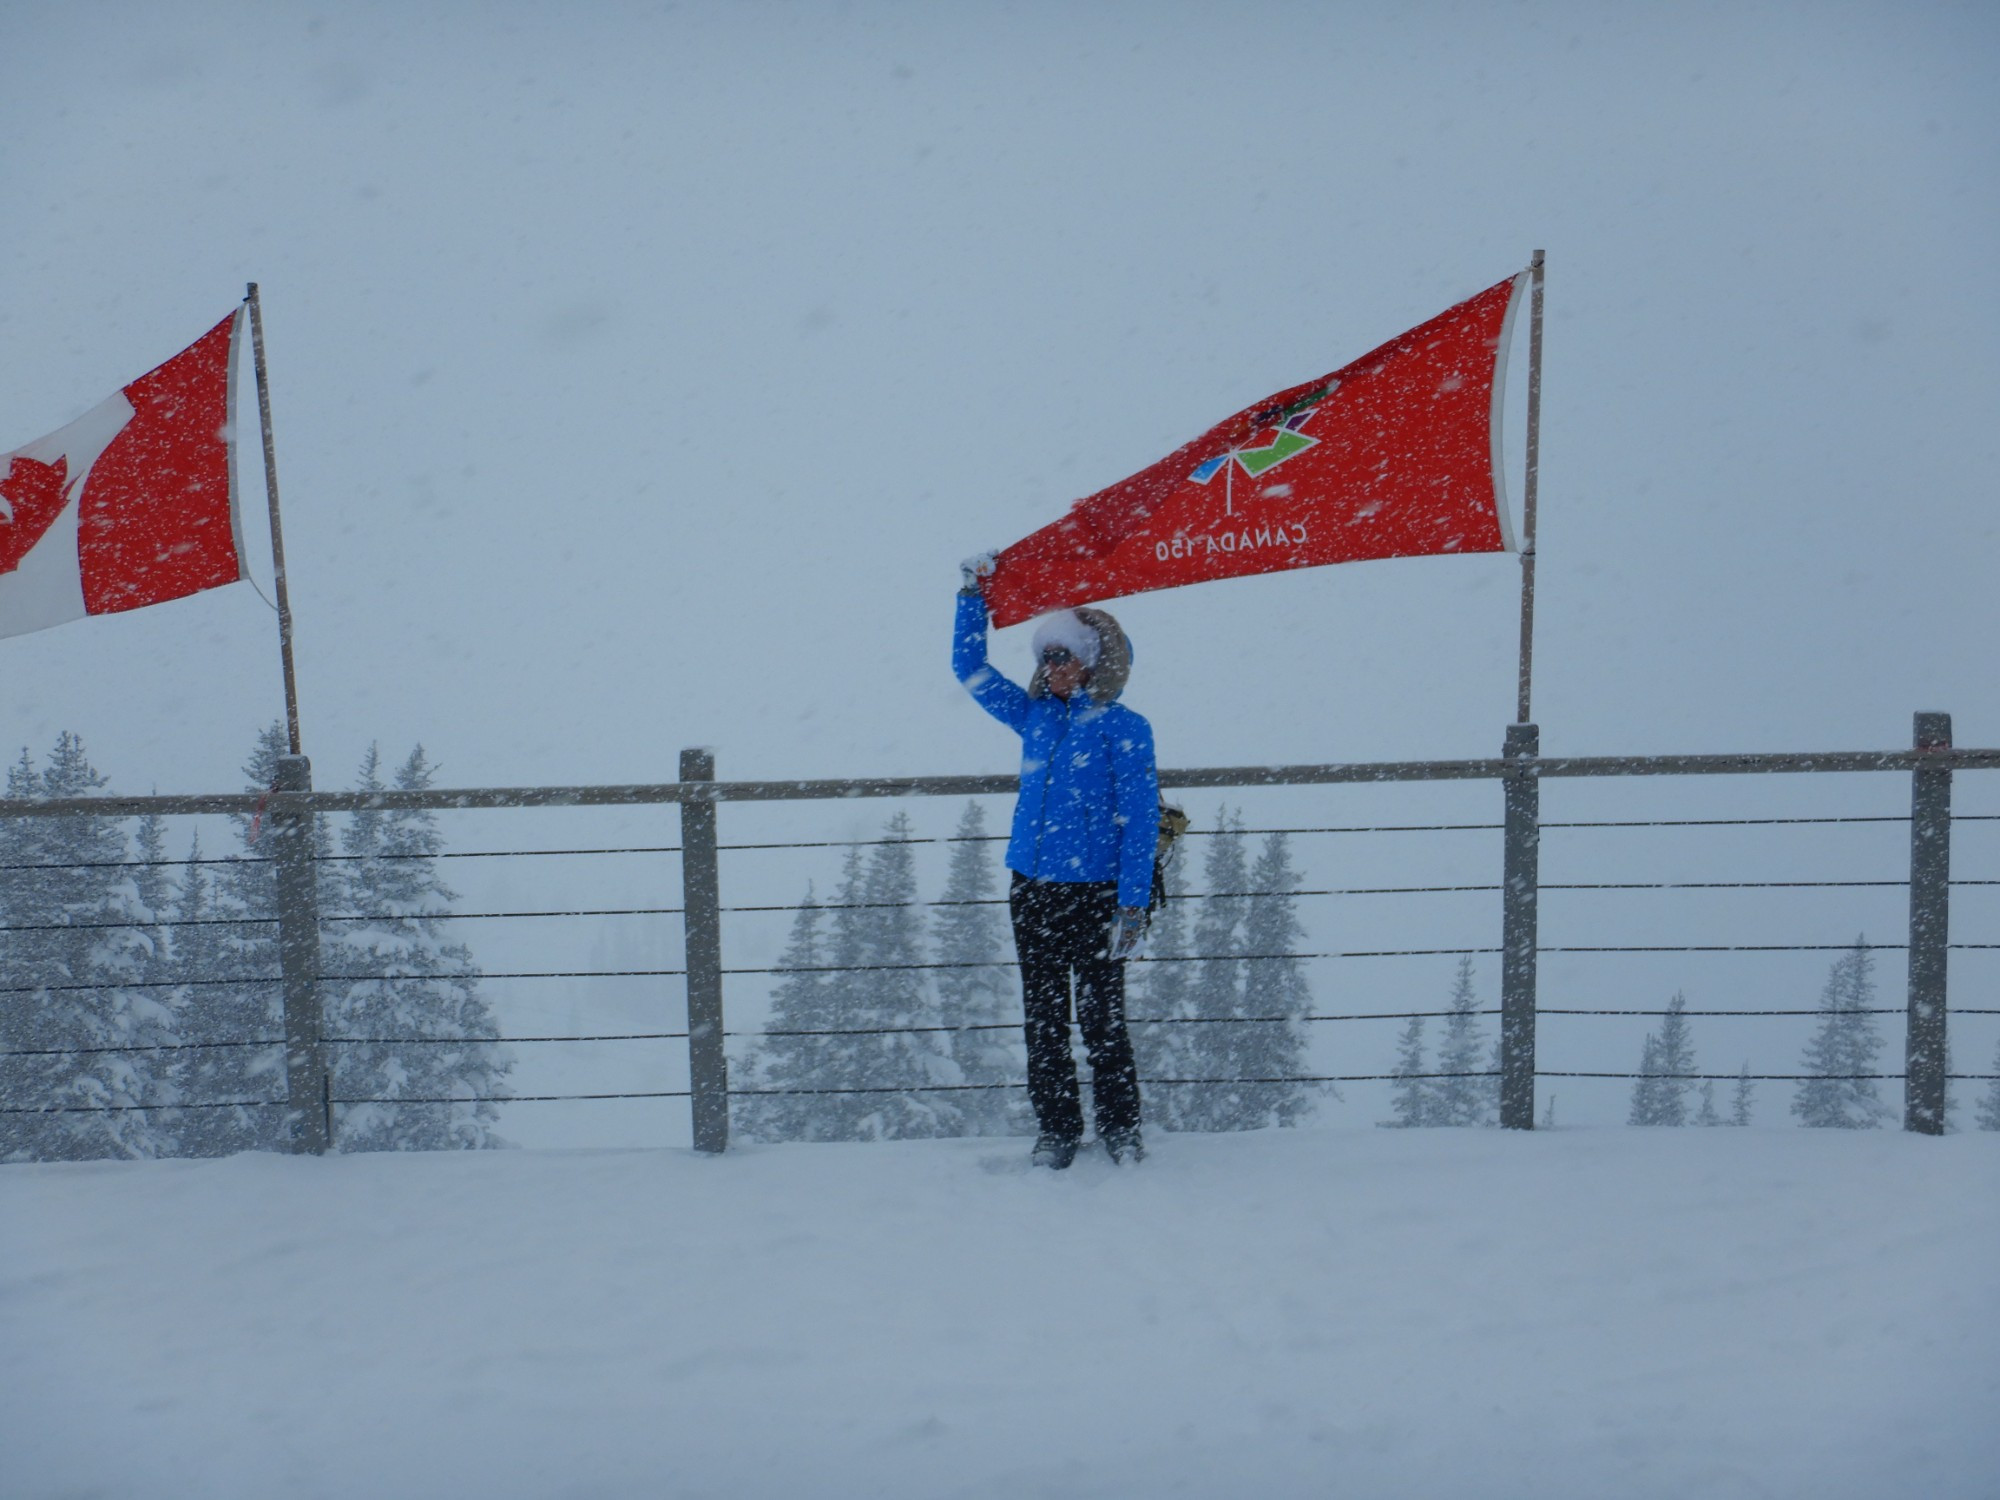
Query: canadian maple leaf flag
x=1395 y=455
x=133 y=503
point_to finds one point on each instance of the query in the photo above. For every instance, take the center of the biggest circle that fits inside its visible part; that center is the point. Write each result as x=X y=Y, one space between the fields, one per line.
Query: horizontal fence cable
x=144 y=864
x=136 y=984
x=490 y=916
x=967 y=1088
x=1400 y=1015
x=949 y=838
x=113 y=1109
x=482 y=975
x=367 y=917
x=1735 y=1077
x=276 y=1041
x=258 y=859
x=1380 y=953
x=499 y=1041
x=520 y=1098
x=1008 y=963
x=512 y=974
x=1874 y=1010
x=507 y=853
x=1388 y=890
x=353 y=1041
x=1723 y=822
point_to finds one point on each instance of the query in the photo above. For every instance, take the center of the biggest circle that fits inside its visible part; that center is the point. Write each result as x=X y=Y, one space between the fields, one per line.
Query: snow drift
x=1636 y=1313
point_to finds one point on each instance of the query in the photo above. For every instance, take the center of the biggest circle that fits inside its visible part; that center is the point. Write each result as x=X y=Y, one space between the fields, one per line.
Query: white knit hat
x=1064 y=629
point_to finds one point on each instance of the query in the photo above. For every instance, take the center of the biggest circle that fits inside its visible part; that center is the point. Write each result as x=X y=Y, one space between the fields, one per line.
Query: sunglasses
x=1055 y=656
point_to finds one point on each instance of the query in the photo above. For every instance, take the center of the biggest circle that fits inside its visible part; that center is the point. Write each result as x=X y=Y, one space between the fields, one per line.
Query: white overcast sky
x=642 y=372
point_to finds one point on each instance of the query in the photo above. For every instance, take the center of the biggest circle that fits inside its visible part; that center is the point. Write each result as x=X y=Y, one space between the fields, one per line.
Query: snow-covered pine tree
x=1739 y=1104
x=1274 y=984
x=873 y=993
x=231 y=987
x=1988 y=1117
x=969 y=930
x=781 y=1059
x=1708 y=1114
x=430 y=1032
x=1677 y=1061
x=76 y=953
x=1411 y=1096
x=1838 y=1094
x=150 y=878
x=1206 y=1048
x=1660 y=1095
x=1461 y=1098
x=1646 y=1088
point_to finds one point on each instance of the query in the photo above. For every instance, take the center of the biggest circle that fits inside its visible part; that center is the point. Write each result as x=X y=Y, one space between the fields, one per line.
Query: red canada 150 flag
x=1395 y=455
x=133 y=503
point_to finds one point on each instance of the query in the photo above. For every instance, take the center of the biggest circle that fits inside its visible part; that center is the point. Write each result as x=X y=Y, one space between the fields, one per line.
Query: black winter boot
x=1053 y=1151
x=1125 y=1146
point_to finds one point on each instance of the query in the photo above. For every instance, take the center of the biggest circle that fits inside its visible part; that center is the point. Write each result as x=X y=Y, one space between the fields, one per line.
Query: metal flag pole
x=278 y=534
x=1522 y=715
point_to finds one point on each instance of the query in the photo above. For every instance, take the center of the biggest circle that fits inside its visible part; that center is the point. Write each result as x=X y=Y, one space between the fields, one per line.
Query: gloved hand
x=974 y=572
x=1128 y=928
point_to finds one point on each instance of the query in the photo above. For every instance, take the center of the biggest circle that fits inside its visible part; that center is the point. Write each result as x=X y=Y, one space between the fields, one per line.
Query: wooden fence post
x=1518 y=933
x=1930 y=931
x=307 y=1093
x=708 y=1066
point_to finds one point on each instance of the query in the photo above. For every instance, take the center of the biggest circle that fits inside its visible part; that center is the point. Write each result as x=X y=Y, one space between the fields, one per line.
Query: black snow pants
x=1060 y=928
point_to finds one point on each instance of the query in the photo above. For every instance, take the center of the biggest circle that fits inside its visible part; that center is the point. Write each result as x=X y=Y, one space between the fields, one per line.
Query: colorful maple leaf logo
x=1256 y=459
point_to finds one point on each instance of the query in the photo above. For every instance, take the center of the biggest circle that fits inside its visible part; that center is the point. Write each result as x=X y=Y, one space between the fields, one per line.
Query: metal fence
x=292 y=807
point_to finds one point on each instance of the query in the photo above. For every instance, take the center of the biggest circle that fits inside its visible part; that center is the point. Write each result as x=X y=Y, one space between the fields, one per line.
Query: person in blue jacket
x=1081 y=851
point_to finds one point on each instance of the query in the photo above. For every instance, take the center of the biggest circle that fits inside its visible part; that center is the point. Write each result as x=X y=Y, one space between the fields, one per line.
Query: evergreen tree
x=1411 y=1095
x=76 y=955
x=1646 y=1103
x=1843 y=1050
x=1274 y=984
x=1708 y=1115
x=1989 y=1106
x=970 y=929
x=430 y=1033
x=1660 y=1095
x=1204 y=1047
x=781 y=1059
x=1461 y=1099
x=155 y=888
x=1739 y=1109
x=1157 y=1000
x=874 y=993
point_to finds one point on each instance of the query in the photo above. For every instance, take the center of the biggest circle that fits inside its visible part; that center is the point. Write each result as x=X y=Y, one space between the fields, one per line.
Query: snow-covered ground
x=1592 y=1313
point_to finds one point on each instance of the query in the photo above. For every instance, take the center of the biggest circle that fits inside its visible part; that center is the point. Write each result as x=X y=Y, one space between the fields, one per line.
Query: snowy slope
x=1574 y=1313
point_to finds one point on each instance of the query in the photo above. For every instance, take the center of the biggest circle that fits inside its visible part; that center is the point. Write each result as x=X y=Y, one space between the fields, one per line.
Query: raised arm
x=1006 y=701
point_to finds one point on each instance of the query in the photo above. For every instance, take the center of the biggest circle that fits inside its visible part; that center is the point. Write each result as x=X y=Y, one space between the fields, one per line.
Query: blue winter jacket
x=1089 y=808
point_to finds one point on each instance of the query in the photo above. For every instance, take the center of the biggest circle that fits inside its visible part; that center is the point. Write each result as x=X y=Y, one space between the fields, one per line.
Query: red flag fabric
x=134 y=503
x=1394 y=455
